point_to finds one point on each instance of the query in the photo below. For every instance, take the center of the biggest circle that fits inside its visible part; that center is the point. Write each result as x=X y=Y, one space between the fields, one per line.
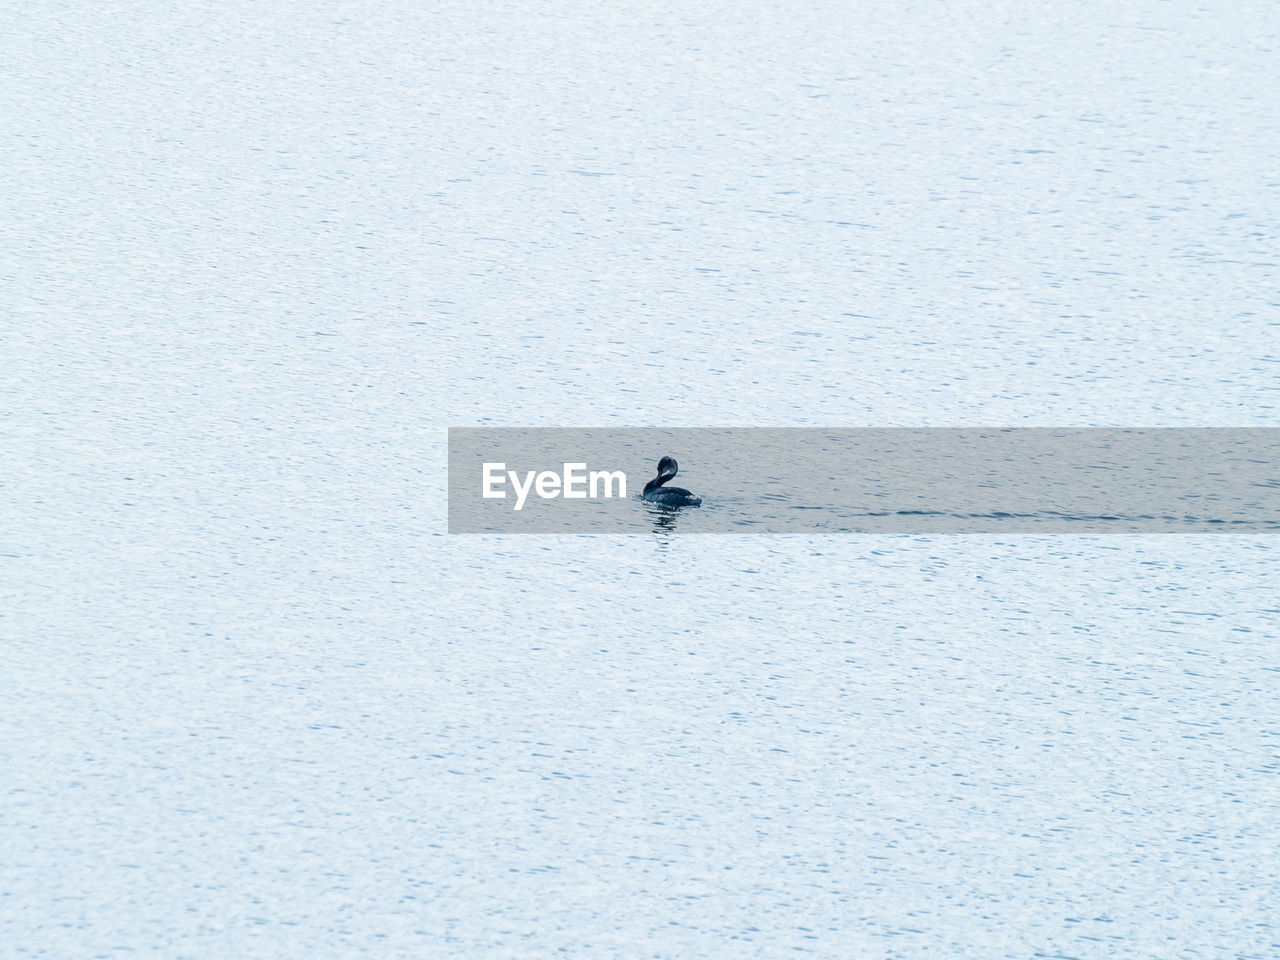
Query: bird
x=655 y=492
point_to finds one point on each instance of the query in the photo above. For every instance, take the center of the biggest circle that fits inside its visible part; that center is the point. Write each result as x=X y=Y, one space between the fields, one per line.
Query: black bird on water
x=655 y=492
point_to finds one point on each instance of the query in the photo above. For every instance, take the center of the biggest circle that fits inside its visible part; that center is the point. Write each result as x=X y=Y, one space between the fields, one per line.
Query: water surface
x=257 y=260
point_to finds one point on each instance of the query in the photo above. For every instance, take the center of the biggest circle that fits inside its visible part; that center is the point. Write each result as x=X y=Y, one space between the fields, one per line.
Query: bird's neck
x=657 y=481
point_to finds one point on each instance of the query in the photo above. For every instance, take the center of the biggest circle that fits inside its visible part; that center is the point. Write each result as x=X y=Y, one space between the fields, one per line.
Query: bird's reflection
x=662 y=518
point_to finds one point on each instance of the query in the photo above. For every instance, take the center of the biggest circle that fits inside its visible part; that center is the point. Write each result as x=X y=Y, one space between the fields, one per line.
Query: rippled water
x=258 y=703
